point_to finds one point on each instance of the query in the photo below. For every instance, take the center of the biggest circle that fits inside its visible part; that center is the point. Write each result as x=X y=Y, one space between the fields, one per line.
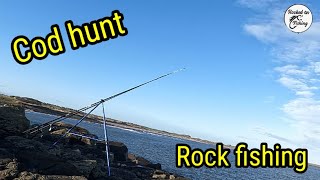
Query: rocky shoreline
x=23 y=157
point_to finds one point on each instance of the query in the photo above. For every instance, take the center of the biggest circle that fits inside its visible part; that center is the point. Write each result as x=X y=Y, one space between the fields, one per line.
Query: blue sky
x=249 y=78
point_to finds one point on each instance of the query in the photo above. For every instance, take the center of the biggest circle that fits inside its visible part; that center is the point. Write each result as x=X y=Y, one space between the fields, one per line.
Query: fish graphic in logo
x=298 y=18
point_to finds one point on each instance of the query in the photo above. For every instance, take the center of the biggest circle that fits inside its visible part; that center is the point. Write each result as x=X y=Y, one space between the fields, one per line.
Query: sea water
x=161 y=149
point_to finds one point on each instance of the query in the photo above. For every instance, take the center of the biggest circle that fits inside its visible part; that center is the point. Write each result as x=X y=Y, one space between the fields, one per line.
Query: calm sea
x=161 y=149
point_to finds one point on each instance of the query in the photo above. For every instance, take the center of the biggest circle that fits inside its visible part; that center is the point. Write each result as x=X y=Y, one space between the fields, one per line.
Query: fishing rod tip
x=182 y=69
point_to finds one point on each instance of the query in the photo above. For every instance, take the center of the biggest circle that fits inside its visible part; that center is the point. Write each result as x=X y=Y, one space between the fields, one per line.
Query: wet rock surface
x=74 y=157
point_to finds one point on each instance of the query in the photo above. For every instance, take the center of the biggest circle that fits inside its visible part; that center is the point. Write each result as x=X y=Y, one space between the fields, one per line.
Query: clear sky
x=249 y=78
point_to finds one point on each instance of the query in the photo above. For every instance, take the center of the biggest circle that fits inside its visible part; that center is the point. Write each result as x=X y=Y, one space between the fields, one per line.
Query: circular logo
x=298 y=18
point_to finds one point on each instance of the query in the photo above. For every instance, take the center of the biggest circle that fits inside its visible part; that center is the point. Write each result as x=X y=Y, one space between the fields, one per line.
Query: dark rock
x=85 y=167
x=47 y=164
x=30 y=176
x=142 y=172
x=12 y=121
x=118 y=149
x=142 y=161
x=71 y=154
x=155 y=166
x=124 y=174
x=90 y=152
x=34 y=156
x=22 y=144
x=159 y=172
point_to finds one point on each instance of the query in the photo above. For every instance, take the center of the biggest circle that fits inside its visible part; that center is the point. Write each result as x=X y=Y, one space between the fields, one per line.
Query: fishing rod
x=58 y=119
x=79 y=111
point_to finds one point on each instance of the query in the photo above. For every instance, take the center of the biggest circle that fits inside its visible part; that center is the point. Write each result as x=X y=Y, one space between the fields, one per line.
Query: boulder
x=61 y=125
x=142 y=161
x=118 y=149
x=12 y=121
x=34 y=156
x=85 y=167
x=60 y=129
x=154 y=166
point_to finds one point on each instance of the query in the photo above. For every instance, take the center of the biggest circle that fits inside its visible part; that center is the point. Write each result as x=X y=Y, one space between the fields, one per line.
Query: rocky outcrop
x=12 y=121
x=143 y=162
x=61 y=128
x=73 y=158
x=118 y=149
